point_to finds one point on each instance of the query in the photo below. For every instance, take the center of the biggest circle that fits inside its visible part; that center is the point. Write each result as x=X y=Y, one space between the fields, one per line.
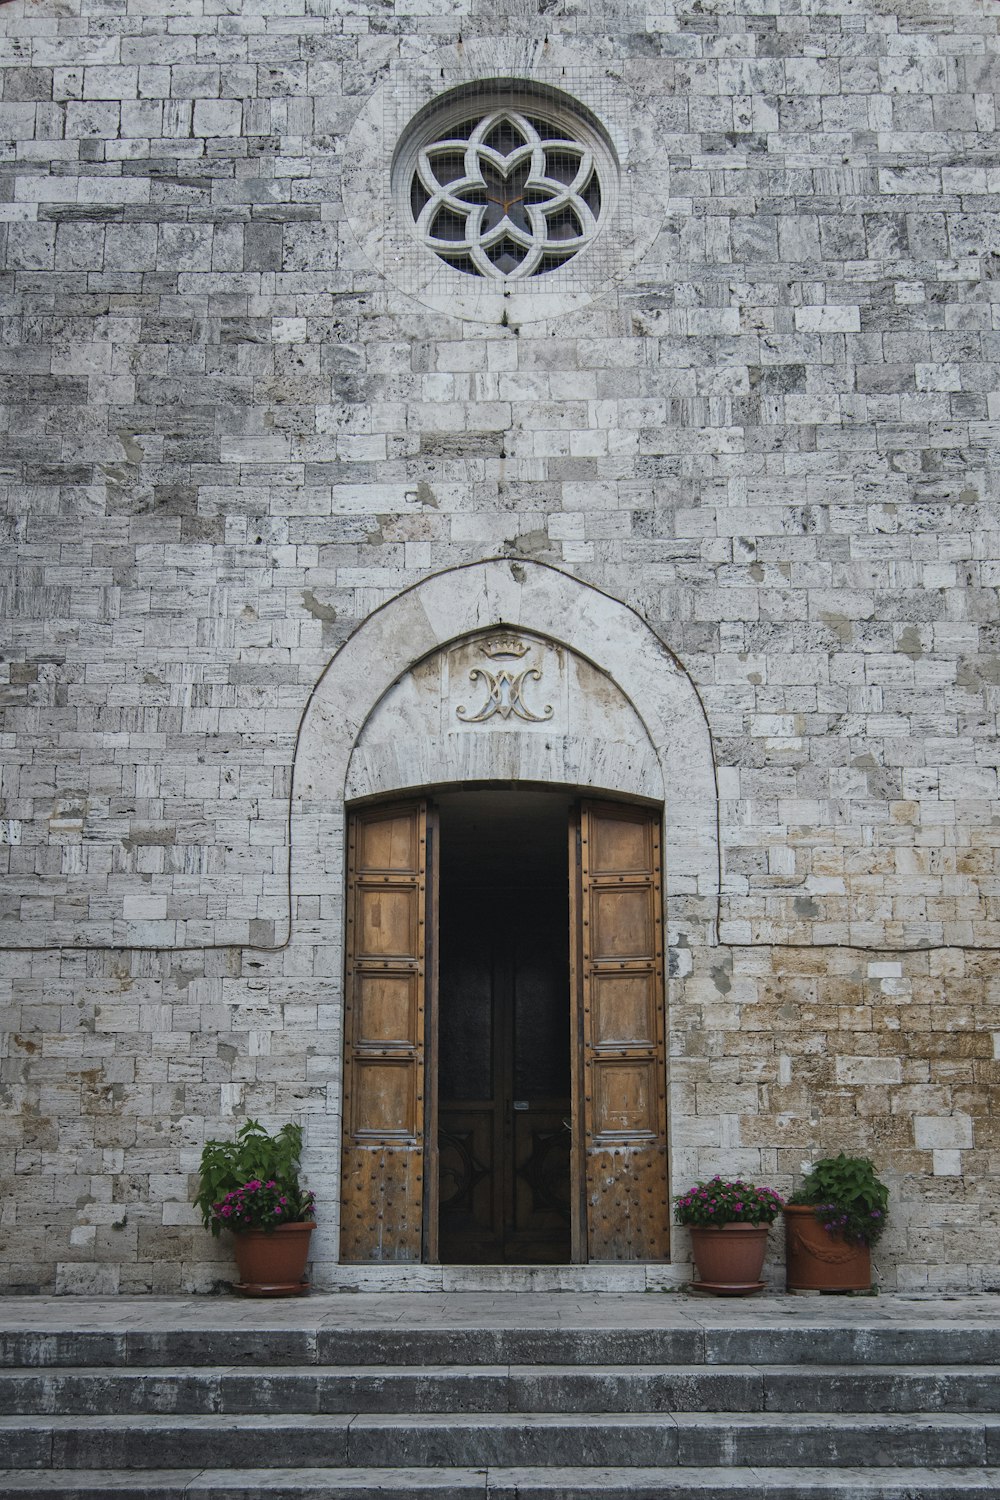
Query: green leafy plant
x=253 y=1181
x=716 y=1202
x=849 y=1200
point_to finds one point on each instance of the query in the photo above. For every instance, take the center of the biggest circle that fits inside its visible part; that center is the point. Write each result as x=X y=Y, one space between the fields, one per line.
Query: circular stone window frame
x=568 y=121
x=408 y=108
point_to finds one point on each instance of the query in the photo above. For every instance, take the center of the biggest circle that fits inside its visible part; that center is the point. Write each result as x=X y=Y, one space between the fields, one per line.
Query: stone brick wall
x=230 y=434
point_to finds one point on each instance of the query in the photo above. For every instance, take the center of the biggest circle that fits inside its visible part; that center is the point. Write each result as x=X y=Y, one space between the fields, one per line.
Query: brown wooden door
x=384 y=1035
x=504 y=1095
x=617 y=947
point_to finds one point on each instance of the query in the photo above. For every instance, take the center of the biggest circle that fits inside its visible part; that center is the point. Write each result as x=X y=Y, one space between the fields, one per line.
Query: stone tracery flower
x=505 y=196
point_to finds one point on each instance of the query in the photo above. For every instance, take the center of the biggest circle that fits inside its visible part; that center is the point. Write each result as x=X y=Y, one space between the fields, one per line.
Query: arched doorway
x=505 y=1057
x=506 y=679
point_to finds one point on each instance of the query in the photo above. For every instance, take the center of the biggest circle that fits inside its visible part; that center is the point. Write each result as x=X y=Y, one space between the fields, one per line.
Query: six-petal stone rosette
x=506 y=196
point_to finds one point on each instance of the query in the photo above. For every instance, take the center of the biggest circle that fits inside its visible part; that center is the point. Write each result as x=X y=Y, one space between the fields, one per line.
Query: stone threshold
x=633 y=1277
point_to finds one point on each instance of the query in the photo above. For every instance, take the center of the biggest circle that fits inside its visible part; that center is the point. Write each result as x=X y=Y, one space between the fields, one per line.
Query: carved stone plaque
x=503 y=705
x=504 y=681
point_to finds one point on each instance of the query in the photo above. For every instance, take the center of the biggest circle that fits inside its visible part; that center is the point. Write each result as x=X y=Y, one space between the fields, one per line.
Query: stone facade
x=258 y=464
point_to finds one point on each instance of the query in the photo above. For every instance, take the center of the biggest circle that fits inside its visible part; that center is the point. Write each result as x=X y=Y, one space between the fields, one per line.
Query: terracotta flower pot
x=729 y=1260
x=272 y=1263
x=816 y=1261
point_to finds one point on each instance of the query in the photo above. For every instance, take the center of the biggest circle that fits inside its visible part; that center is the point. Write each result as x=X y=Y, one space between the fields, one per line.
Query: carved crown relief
x=505 y=684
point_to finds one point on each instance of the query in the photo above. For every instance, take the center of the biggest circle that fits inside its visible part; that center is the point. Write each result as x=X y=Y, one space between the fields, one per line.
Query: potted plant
x=250 y=1186
x=728 y=1223
x=831 y=1223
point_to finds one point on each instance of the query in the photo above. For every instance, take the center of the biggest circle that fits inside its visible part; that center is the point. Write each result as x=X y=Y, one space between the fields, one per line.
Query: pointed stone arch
x=658 y=749
x=460 y=603
x=504 y=706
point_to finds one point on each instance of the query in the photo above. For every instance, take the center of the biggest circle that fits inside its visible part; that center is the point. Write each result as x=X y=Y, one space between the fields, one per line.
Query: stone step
x=648 y=1398
x=803 y=1341
x=429 y=1440
x=515 y=1483
x=503 y=1388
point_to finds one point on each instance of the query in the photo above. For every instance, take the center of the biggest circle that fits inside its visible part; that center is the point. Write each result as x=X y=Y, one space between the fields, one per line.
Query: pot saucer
x=728 y=1289
x=271 y=1288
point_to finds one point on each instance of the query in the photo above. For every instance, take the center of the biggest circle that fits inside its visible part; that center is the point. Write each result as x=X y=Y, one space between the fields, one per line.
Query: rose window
x=506 y=195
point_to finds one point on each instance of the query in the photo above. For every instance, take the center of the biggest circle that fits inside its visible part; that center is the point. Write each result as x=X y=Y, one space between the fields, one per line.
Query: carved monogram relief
x=503 y=704
x=505 y=684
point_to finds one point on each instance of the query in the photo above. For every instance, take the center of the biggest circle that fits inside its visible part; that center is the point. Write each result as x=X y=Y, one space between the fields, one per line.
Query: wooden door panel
x=541 y=1209
x=388 y=921
x=625 y=1098
x=623 y=1009
x=470 y=1205
x=622 y=1074
x=385 y=1098
x=622 y=922
x=385 y=1009
x=620 y=844
x=382 y=1164
x=624 y=1218
x=381 y=1205
x=388 y=841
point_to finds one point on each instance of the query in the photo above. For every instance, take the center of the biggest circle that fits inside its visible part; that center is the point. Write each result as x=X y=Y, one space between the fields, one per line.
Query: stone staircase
x=538 y=1398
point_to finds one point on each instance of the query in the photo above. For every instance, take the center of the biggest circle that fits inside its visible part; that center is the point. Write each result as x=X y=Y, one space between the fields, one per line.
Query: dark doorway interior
x=505 y=1123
